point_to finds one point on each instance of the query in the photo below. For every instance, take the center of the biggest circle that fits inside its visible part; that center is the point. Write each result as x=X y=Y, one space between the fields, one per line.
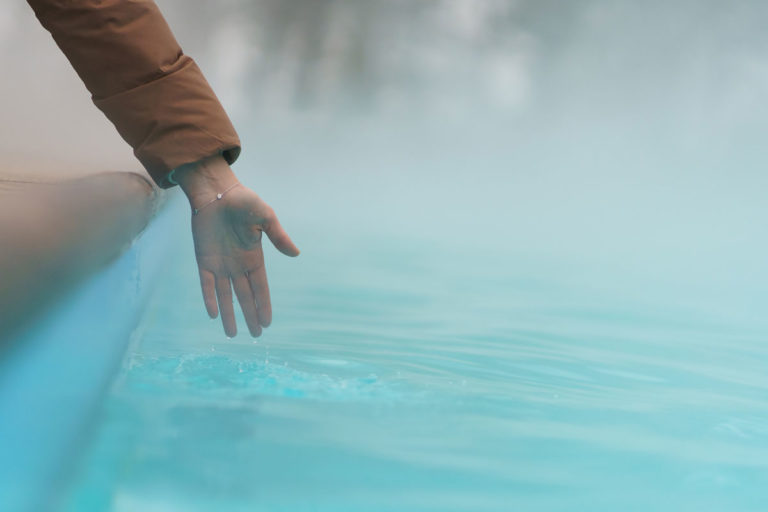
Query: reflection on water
x=532 y=271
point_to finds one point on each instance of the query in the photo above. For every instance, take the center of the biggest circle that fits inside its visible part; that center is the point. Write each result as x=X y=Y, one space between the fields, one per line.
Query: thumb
x=280 y=238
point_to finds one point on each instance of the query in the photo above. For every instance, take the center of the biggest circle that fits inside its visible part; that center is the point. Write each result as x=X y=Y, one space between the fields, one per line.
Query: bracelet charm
x=195 y=211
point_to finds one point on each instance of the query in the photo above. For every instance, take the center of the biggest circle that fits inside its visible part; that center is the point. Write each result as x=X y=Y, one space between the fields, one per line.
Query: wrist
x=205 y=178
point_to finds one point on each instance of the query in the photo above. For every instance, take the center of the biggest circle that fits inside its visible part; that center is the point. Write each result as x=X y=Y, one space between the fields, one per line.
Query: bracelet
x=218 y=196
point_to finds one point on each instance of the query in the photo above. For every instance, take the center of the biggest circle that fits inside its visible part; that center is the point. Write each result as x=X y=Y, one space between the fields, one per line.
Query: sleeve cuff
x=172 y=121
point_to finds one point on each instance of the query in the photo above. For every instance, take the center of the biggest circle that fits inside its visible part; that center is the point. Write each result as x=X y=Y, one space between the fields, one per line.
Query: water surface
x=533 y=269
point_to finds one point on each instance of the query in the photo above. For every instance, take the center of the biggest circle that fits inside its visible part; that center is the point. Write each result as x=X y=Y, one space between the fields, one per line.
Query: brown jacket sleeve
x=156 y=96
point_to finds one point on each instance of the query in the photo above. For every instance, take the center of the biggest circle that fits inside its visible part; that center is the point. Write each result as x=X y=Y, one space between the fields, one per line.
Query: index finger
x=247 y=304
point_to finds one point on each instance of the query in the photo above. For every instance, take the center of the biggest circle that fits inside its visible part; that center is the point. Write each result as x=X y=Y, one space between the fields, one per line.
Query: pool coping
x=54 y=370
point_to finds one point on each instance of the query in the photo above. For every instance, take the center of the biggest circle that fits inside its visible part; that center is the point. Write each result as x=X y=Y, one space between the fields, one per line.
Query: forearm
x=137 y=74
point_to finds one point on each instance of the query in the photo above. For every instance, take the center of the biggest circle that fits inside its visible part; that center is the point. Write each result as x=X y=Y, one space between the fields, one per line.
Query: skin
x=228 y=235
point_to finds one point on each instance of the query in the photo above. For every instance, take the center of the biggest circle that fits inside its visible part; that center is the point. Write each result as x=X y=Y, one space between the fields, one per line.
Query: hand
x=227 y=235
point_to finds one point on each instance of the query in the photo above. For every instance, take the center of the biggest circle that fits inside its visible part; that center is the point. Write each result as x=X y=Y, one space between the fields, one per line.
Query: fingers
x=224 y=294
x=208 y=284
x=280 y=238
x=260 y=288
x=247 y=303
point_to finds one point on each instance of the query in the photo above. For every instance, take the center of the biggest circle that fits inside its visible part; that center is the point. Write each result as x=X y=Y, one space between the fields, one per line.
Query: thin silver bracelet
x=218 y=196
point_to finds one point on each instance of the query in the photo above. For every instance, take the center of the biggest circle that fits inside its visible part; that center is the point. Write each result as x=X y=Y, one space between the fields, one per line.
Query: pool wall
x=59 y=367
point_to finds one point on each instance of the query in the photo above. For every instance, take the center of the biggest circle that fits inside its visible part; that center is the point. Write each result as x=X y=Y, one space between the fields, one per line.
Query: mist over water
x=532 y=272
x=608 y=135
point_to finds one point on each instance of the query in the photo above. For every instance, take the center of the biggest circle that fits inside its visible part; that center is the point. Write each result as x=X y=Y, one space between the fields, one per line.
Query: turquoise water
x=406 y=381
x=533 y=271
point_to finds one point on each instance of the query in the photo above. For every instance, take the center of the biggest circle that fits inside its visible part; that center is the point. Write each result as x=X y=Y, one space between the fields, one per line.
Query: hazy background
x=618 y=144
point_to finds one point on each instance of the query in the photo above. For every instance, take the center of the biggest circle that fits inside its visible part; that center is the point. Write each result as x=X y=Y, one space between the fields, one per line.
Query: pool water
x=533 y=272
x=393 y=379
